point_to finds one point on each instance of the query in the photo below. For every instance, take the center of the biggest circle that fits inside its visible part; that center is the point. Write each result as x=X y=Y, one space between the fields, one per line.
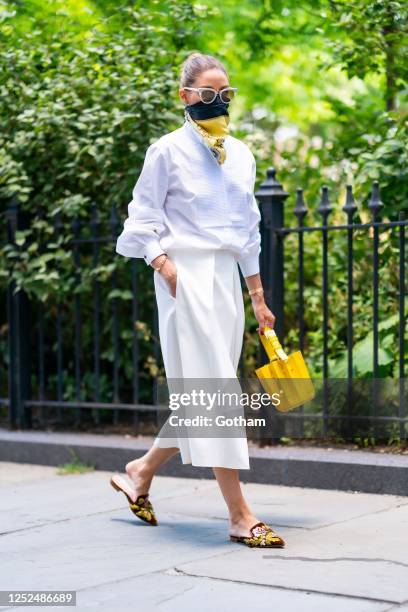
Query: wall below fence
x=318 y=468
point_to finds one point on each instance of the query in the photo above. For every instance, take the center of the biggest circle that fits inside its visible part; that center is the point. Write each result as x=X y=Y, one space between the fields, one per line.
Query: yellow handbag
x=286 y=377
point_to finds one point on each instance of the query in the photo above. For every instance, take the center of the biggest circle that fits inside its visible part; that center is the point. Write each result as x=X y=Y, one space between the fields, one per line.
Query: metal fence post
x=18 y=316
x=272 y=196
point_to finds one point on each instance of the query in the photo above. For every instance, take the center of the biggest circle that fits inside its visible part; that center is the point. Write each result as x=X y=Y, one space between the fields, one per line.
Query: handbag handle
x=272 y=341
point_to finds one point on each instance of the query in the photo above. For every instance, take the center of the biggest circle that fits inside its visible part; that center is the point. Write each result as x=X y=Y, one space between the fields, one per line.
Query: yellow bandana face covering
x=213 y=131
x=216 y=126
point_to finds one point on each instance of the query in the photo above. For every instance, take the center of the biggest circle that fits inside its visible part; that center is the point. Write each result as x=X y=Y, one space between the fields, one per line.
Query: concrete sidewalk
x=344 y=551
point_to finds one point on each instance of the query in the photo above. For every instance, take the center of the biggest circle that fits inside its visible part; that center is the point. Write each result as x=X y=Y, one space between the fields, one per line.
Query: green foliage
x=83 y=94
x=363 y=352
x=77 y=115
x=85 y=88
x=75 y=466
x=326 y=105
x=376 y=41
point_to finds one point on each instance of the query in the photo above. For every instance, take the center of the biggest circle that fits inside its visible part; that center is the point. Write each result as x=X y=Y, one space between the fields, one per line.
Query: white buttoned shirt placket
x=184 y=199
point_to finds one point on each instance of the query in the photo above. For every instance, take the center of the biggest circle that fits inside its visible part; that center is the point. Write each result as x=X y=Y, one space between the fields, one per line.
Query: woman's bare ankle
x=239 y=516
x=241 y=522
x=140 y=475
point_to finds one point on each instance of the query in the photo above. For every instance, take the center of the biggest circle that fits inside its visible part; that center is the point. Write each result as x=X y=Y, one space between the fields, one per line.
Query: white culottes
x=201 y=335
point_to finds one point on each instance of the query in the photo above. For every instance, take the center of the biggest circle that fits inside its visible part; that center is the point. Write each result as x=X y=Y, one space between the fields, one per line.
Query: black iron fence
x=348 y=419
x=94 y=358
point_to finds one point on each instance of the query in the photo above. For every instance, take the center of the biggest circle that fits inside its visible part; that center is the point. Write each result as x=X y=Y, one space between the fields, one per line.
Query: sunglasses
x=208 y=94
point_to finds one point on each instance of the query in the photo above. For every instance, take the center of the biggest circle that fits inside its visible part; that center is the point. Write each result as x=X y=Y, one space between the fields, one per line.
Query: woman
x=194 y=219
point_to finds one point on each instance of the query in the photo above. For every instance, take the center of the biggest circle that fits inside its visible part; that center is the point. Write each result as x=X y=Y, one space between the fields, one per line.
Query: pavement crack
x=397 y=606
x=353 y=518
x=63 y=520
x=335 y=559
x=289 y=588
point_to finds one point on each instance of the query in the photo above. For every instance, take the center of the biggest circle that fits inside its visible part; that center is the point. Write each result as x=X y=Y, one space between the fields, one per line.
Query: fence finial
x=300 y=207
x=375 y=203
x=350 y=206
x=325 y=207
x=271 y=186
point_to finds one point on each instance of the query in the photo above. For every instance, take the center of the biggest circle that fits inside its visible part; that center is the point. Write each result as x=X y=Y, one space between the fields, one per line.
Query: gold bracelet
x=259 y=290
x=161 y=263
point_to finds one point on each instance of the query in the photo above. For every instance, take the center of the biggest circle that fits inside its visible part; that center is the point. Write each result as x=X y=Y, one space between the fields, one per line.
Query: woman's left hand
x=262 y=313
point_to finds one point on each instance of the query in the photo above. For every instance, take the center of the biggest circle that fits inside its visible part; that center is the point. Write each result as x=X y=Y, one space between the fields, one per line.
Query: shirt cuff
x=249 y=265
x=152 y=250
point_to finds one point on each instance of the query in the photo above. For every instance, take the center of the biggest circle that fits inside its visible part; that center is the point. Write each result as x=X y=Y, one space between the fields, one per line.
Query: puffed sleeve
x=140 y=236
x=249 y=262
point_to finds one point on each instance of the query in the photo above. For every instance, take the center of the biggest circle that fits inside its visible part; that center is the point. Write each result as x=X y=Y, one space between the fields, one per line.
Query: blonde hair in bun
x=195 y=64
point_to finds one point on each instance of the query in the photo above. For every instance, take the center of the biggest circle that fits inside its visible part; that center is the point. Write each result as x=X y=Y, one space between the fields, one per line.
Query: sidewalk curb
x=321 y=468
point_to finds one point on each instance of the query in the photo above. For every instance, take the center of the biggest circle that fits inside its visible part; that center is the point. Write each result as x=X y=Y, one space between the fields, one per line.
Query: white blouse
x=184 y=199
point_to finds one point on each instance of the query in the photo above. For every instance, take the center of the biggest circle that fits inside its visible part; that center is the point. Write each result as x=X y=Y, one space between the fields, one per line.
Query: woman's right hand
x=169 y=273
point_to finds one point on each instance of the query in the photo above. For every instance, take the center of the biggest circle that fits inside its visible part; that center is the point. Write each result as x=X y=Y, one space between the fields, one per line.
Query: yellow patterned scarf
x=213 y=132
